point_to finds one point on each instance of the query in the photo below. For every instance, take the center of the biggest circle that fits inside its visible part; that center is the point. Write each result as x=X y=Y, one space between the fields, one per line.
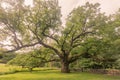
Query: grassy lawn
x=56 y=75
x=44 y=74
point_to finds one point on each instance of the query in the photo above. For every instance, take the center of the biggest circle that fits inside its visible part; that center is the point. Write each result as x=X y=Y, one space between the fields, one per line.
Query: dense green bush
x=6 y=57
x=26 y=61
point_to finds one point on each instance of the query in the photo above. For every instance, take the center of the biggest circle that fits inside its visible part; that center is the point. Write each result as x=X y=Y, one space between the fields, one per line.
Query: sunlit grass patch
x=6 y=69
x=56 y=75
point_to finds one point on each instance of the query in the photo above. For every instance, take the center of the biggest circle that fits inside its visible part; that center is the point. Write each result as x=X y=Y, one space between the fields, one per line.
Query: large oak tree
x=25 y=26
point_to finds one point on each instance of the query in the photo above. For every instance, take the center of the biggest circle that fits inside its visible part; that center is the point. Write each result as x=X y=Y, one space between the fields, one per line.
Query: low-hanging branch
x=21 y=47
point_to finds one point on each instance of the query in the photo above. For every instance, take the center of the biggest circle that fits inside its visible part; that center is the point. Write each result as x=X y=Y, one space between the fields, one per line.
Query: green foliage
x=26 y=60
x=84 y=23
x=97 y=54
x=8 y=69
x=6 y=57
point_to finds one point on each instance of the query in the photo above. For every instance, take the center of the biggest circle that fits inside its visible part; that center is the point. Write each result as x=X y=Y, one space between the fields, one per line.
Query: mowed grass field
x=45 y=74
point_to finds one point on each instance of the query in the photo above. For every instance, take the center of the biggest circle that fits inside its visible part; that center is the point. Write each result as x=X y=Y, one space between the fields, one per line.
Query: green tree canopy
x=26 y=26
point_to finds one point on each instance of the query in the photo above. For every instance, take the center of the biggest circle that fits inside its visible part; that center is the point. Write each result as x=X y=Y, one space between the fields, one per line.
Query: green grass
x=46 y=74
x=5 y=69
x=56 y=75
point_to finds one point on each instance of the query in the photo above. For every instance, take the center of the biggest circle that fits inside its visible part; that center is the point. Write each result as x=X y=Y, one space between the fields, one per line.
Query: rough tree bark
x=65 y=67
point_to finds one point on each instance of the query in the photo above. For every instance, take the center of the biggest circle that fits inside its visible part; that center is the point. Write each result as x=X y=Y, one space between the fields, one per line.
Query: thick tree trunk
x=65 y=67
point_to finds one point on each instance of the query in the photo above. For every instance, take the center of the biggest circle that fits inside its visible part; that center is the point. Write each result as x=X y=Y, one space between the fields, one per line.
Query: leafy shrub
x=26 y=61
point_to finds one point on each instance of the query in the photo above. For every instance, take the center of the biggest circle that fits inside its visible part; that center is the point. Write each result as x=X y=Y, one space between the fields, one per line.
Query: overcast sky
x=108 y=6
